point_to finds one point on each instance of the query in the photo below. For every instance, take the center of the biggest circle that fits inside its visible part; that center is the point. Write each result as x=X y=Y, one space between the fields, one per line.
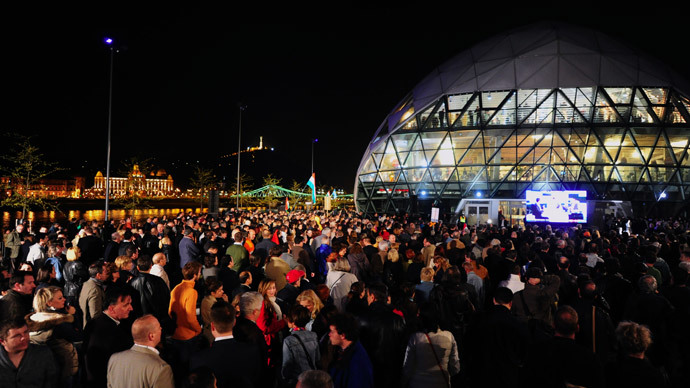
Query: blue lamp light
x=108 y=41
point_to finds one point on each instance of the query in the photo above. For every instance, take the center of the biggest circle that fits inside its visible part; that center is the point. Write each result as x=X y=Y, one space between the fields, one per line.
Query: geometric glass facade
x=626 y=141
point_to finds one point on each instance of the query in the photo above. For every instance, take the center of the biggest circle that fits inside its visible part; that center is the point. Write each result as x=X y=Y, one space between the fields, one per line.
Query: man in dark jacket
x=18 y=301
x=23 y=364
x=560 y=361
x=91 y=247
x=153 y=295
x=498 y=342
x=351 y=366
x=149 y=244
x=112 y=248
x=382 y=333
x=652 y=309
x=127 y=241
x=234 y=363
x=189 y=251
x=537 y=300
x=246 y=330
x=104 y=336
x=263 y=247
x=596 y=328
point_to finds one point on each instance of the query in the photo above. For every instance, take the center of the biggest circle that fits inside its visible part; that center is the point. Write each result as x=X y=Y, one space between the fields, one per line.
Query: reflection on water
x=48 y=217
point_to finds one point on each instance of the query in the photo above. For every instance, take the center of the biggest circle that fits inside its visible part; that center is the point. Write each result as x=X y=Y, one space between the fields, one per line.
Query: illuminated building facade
x=157 y=185
x=545 y=107
x=47 y=188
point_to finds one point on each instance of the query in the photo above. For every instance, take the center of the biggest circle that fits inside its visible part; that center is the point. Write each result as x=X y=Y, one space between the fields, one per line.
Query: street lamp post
x=239 y=150
x=109 y=42
x=312 y=154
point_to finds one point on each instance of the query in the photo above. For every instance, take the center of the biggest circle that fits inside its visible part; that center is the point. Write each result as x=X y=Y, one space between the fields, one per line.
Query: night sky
x=303 y=74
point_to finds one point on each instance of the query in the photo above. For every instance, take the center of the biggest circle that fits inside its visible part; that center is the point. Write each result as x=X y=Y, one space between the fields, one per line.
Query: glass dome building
x=544 y=107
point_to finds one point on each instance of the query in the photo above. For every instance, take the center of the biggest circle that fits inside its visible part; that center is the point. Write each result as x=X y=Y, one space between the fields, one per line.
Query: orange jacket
x=183 y=304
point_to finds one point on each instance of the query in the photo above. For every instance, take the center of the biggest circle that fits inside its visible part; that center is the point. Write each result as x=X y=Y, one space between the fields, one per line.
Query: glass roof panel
x=458 y=101
x=377 y=159
x=463 y=139
x=369 y=166
x=390 y=162
x=431 y=140
x=584 y=97
x=414 y=175
x=473 y=156
x=645 y=137
x=471 y=116
x=444 y=158
x=493 y=99
x=368 y=177
x=620 y=95
x=446 y=144
x=527 y=98
x=389 y=176
x=675 y=117
x=403 y=142
x=416 y=159
x=641 y=115
x=441 y=174
x=468 y=173
x=656 y=95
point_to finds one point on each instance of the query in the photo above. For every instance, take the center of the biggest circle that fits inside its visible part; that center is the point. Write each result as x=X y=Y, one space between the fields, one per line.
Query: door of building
x=477 y=213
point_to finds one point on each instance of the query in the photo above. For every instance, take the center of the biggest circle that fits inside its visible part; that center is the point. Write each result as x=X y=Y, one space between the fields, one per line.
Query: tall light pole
x=109 y=42
x=239 y=150
x=312 y=154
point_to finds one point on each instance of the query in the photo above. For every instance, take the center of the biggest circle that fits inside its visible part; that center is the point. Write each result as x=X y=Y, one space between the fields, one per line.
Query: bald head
x=158 y=258
x=146 y=331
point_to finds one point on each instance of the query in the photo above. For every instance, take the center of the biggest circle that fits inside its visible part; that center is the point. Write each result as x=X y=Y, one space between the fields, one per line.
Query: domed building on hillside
x=544 y=107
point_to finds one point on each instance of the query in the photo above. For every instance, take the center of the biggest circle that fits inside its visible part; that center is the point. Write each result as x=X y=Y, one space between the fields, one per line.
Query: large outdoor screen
x=556 y=206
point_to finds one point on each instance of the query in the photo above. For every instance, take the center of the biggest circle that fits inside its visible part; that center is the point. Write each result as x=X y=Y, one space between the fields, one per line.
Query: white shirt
x=149 y=348
x=224 y=337
x=513 y=283
x=35 y=253
x=158 y=270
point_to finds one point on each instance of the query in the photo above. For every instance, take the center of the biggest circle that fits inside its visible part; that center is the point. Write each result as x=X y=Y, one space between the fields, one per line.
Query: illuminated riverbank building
x=155 y=185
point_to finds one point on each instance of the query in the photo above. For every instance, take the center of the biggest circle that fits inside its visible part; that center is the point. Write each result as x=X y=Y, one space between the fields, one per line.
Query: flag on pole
x=328 y=193
x=312 y=183
x=334 y=195
x=287 y=204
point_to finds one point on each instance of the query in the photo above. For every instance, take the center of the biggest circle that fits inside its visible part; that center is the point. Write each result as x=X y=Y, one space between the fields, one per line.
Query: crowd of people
x=277 y=299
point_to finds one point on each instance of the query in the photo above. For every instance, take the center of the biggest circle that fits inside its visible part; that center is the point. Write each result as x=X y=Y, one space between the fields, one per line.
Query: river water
x=40 y=218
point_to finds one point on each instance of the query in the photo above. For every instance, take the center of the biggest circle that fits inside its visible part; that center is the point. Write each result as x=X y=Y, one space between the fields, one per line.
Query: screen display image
x=556 y=206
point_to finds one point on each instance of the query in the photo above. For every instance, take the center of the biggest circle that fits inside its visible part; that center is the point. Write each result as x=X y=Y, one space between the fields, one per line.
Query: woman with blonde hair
x=393 y=272
x=318 y=311
x=311 y=301
x=441 y=265
x=52 y=324
x=124 y=263
x=124 y=266
x=75 y=274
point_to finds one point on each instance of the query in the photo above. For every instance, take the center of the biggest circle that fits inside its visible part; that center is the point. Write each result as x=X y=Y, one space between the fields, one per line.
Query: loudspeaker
x=213 y=202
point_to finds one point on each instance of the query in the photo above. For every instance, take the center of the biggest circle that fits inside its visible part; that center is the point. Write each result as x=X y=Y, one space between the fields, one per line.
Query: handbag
x=445 y=378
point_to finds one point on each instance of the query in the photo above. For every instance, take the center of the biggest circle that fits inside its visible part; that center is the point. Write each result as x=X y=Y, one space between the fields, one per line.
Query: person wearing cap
x=536 y=301
x=289 y=293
